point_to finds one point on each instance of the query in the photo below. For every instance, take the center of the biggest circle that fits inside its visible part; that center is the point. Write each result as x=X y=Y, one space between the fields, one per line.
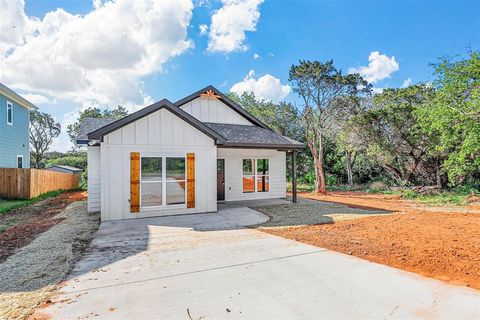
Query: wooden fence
x=30 y=183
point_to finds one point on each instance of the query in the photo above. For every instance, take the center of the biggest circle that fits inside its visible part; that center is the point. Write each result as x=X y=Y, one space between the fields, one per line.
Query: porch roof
x=248 y=136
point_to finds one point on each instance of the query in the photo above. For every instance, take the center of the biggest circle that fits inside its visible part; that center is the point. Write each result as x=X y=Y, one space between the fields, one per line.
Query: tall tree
x=391 y=132
x=43 y=129
x=325 y=92
x=454 y=115
x=93 y=112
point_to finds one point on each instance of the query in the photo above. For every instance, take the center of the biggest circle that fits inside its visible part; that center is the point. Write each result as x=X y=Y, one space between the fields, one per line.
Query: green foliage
x=8 y=205
x=93 y=112
x=454 y=116
x=43 y=129
x=391 y=133
x=326 y=94
x=74 y=159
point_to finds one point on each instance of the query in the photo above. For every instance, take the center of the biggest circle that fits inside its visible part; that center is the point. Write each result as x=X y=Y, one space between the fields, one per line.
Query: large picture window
x=162 y=181
x=256 y=175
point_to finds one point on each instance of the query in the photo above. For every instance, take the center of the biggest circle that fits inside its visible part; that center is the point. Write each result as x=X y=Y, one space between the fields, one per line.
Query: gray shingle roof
x=70 y=168
x=89 y=125
x=252 y=136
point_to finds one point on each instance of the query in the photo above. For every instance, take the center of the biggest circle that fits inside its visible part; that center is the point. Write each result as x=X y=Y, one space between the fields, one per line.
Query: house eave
x=283 y=147
x=12 y=95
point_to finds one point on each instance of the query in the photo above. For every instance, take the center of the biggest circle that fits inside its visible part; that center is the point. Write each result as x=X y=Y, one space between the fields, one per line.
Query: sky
x=65 y=56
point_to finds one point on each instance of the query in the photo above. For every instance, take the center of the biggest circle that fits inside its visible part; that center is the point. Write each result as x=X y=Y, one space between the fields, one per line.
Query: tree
x=454 y=116
x=325 y=91
x=391 y=133
x=93 y=112
x=43 y=129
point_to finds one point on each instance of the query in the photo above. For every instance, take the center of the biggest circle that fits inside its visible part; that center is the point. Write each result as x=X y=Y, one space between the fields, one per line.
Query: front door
x=220 y=179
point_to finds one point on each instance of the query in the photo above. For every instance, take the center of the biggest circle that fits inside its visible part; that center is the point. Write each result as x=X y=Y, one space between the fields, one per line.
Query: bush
x=378 y=186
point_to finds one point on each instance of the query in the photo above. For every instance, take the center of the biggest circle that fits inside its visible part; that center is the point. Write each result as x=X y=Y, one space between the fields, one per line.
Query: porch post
x=294 y=176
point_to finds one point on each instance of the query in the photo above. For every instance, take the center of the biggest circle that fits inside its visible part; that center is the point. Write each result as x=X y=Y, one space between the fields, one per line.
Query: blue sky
x=400 y=37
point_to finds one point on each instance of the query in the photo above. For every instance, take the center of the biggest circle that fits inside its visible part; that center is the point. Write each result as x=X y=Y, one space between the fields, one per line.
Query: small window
x=248 y=175
x=20 y=161
x=175 y=181
x=151 y=182
x=9 y=113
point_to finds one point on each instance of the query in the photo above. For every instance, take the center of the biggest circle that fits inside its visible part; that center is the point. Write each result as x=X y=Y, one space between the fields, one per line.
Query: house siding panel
x=234 y=173
x=213 y=110
x=94 y=180
x=159 y=134
x=14 y=139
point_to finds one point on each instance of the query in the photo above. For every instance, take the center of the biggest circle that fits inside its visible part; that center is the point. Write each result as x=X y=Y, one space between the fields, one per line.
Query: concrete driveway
x=209 y=267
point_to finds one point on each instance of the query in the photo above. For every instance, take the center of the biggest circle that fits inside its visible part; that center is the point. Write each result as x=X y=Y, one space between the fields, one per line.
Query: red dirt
x=438 y=242
x=35 y=219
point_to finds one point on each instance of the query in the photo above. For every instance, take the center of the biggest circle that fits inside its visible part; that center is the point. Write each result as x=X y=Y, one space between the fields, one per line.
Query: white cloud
x=36 y=98
x=380 y=66
x=229 y=24
x=203 y=29
x=97 y=58
x=266 y=87
x=407 y=83
x=256 y=56
x=377 y=90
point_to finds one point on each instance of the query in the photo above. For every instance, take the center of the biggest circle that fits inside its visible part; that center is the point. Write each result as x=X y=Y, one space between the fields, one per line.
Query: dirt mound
x=472 y=199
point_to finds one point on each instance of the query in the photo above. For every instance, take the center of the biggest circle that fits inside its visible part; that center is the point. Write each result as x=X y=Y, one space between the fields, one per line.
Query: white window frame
x=20 y=156
x=255 y=175
x=10 y=107
x=163 y=182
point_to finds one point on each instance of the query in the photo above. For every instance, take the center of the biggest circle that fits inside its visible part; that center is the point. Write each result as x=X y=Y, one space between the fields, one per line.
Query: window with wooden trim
x=162 y=181
x=256 y=175
x=9 y=113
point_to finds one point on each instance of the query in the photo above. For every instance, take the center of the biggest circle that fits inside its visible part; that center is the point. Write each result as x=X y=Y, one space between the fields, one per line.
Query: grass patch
x=444 y=198
x=7 y=205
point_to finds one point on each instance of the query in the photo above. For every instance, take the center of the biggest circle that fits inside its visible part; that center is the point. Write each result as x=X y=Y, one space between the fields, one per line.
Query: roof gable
x=214 y=92
x=100 y=133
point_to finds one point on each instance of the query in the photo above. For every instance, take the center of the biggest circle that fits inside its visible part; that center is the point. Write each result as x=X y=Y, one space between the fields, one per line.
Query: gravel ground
x=308 y=212
x=28 y=277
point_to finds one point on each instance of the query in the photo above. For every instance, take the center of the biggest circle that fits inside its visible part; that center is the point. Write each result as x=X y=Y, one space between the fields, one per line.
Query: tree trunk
x=438 y=174
x=320 y=183
x=348 y=157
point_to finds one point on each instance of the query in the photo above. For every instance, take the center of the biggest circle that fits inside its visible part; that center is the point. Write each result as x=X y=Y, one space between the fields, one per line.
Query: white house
x=182 y=158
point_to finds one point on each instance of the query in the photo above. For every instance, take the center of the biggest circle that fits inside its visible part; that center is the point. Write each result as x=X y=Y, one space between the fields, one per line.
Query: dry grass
x=28 y=277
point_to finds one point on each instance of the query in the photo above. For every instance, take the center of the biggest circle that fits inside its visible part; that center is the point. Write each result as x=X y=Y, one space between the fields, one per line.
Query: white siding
x=213 y=110
x=234 y=173
x=159 y=134
x=93 y=203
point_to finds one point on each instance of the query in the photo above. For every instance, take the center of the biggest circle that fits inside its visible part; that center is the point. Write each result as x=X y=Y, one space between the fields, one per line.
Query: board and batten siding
x=213 y=110
x=234 y=173
x=94 y=183
x=159 y=134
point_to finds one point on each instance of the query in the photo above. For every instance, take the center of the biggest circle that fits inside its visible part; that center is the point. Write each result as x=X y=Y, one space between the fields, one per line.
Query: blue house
x=14 y=133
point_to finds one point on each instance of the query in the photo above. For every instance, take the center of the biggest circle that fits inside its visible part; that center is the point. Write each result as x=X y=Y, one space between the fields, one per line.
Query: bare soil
x=439 y=242
x=23 y=225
